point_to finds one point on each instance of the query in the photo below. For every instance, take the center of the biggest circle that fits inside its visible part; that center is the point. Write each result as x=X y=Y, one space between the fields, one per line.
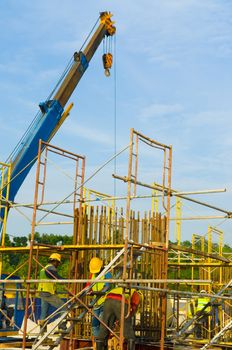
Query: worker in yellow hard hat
x=95 y=267
x=112 y=313
x=48 y=289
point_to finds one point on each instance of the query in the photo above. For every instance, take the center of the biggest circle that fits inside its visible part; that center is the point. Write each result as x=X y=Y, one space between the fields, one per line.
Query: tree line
x=12 y=261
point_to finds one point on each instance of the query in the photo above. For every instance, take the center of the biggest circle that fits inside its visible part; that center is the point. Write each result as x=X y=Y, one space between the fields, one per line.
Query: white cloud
x=160 y=110
x=92 y=134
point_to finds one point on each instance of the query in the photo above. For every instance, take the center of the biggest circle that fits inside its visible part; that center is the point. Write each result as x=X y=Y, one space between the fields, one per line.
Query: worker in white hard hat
x=95 y=267
x=203 y=310
x=48 y=289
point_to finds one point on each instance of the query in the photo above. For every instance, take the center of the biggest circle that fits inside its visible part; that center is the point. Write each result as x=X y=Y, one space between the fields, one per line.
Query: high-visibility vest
x=201 y=302
x=116 y=294
x=97 y=287
x=45 y=286
x=118 y=291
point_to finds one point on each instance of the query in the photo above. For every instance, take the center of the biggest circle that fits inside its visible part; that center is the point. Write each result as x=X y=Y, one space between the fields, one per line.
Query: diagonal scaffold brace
x=73 y=304
x=218 y=336
x=182 y=331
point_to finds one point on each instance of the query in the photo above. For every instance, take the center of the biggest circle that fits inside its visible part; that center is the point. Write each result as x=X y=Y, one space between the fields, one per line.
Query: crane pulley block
x=105 y=18
x=107 y=59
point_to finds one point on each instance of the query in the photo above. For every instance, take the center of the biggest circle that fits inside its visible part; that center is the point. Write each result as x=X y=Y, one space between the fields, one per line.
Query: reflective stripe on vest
x=201 y=302
x=119 y=291
x=45 y=286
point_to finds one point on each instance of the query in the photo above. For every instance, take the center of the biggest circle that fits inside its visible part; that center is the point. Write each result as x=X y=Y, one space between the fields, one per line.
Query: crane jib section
x=51 y=112
x=49 y=119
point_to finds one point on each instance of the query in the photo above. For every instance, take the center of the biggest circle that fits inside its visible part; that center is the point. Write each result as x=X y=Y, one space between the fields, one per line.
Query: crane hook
x=107 y=72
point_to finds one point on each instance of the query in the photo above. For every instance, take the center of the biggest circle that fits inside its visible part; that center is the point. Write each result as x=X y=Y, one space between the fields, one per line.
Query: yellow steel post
x=84 y=205
x=193 y=247
x=209 y=252
x=154 y=201
x=210 y=230
x=220 y=253
x=178 y=220
x=178 y=239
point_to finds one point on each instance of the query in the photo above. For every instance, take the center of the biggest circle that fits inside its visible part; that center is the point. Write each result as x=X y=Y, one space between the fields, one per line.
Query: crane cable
x=71 y=61
x=115 y=114
x=39 y=114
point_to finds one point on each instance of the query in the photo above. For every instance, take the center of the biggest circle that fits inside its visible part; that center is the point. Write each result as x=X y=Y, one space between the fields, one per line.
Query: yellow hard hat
x=95 y=265
x=55 y=256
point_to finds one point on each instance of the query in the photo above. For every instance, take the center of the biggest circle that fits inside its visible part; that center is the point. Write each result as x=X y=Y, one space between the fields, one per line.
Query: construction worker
x=112 y=313
x=191 y=308
x=48 y=290
x=202 y=321
x=4 y=311
x=95 y=267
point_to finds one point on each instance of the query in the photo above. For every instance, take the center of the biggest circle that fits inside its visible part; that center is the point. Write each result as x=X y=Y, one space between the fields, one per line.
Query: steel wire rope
x=70 y=62
x=57 y=167
x=115 y=114
x=195 y=211
x=88 y=179
x=37 y=116
x=115 y=111
x=89 y=34
x=61 y=78
x=21 y=141
x=12 y=154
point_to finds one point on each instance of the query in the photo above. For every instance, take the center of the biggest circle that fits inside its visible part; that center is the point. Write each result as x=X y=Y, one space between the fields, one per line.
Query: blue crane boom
x=49 y=118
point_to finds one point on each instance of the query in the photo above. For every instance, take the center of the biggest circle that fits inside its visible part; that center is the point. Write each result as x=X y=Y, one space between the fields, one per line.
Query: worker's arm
x=51 y=272
x=106 y=287
x=136 y=298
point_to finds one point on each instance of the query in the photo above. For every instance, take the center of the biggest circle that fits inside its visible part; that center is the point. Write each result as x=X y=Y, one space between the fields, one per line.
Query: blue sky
x=172 y=77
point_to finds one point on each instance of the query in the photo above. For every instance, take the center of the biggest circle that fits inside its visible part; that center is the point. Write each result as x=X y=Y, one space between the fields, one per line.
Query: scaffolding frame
x=40 y=186
x=165 y=188
x=154 y=250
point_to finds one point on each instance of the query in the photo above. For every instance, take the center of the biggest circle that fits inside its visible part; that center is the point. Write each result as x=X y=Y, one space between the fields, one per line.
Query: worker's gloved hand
x=98 y=293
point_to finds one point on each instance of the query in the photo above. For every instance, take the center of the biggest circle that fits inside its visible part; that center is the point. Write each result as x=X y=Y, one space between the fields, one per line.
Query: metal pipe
x=173 y=192
x=186 y=262
x=209 y=217
x=108 y=197
x=173 y=291
x=63 y=281
x=88 y=179
x=48 y=223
